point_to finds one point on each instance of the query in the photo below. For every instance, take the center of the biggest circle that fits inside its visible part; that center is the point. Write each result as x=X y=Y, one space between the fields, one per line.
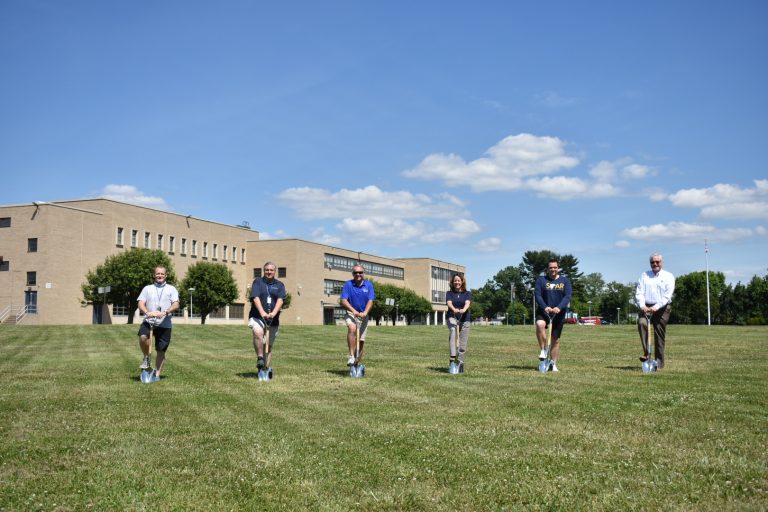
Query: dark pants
x=659 y=321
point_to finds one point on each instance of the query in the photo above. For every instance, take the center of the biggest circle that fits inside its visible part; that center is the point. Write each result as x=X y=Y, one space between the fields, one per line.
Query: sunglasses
x=358 y=273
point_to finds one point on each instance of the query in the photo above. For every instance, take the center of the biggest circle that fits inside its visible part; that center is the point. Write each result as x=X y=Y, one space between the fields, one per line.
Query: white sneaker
x=543 y=354
x=351 y=360
x=553 y=368
x=146 y=363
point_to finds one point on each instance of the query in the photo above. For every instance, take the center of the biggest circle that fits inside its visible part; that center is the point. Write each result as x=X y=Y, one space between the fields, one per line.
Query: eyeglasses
x=358 y=273
x=655 y=262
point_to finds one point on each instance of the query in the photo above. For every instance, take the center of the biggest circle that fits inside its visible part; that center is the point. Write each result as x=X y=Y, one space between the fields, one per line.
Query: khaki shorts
x=350 y=319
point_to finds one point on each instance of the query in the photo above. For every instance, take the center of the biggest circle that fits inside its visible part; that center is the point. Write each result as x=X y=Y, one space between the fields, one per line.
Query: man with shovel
x=357 y=298
x=553 y=295
x=653 y=295
x=157 y=302
x=267 y=296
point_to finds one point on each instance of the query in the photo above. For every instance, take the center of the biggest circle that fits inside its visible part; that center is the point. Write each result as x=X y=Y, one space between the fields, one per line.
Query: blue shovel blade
x=145 y=377
x=544 y=366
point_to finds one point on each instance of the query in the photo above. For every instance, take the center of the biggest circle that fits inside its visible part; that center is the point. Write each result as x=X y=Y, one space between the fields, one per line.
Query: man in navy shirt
x=553 y=295
x=357 y=298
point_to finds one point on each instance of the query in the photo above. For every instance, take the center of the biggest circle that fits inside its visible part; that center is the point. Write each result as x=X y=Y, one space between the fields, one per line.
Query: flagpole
x=706 y=257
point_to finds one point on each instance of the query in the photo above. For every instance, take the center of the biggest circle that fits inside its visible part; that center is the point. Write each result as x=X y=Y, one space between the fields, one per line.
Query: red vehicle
x=590 y=320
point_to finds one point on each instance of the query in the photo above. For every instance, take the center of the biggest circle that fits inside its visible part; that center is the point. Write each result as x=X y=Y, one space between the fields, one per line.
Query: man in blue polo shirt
x=357 y=298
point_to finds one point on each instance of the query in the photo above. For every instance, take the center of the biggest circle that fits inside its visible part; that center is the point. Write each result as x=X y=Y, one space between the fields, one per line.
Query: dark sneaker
x=260 y=363
x=146 y=363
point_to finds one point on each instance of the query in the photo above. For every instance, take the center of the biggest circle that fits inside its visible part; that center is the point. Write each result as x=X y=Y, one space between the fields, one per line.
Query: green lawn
x=79 y=431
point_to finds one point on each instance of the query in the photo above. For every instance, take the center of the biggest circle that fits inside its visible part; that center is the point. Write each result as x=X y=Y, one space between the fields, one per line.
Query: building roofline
x=61 y=204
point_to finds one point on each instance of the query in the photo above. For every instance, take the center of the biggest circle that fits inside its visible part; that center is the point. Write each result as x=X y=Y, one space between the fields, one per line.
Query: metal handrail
x=4 y=313
x=21 y=314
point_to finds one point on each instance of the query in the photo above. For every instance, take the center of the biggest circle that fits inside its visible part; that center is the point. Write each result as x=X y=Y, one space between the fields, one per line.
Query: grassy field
x=79 y=431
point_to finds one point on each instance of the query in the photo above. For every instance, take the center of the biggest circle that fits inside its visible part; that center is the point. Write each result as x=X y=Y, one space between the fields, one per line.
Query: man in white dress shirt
x=654 y=298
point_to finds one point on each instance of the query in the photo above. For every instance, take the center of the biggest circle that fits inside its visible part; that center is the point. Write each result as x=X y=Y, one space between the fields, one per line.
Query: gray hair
x=268 y=264
x=656 y=254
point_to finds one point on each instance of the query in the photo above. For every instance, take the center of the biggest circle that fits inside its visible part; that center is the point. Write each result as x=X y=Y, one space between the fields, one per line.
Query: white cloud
x=508 y=163
x=492 y=244
x=554 y=99
x=725 y=201
x=605 y=171
x=132 y=195
x=393 y=218
x=687 y=233
x=279 y=234
x=622 y=244
x=636 y=171
x=371 y=201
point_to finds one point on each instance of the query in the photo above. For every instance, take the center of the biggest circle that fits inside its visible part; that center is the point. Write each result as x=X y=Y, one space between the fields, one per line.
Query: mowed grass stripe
x=81 y=432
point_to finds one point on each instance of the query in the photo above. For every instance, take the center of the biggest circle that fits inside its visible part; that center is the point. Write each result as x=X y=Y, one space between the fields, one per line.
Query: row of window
x=191 y=247
x=236 y=310
x=334 y=261
x=441 y=283
x=282 y=272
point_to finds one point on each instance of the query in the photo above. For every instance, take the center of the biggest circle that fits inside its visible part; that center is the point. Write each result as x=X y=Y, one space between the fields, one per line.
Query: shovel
x=544 y=365
x=454 y=367
x=265 y=373
x=650 y=365
x=357 y=370
x=147 y=373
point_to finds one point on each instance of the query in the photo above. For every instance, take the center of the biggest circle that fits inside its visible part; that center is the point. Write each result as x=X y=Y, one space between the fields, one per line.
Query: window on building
x=146 y=239
x=31 y=278
x=281 y=272
x=205 y=249
x=183 y=246
x=333 y=261
x=119 y=237
x=224 y=253
x=215 y=251
x=5 y=265
x=171 y=244
x=159 y=241
x=194 y=247
x=256 y=273
x=242 y=255
x=31 y=244
x=5 y=222
x=237 y=311
x=333 y=287
x=234 y=253
x=120 y=309
x=134 y=237
x=218 y=313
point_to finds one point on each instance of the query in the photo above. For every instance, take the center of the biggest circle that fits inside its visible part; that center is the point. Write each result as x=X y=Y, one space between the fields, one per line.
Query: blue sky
x=470 y=132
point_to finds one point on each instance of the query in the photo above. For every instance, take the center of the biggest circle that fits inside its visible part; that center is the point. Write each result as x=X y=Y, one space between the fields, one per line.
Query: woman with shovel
x=458 y=300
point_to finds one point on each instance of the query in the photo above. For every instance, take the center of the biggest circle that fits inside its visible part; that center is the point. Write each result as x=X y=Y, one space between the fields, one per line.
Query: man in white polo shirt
x=654 y=298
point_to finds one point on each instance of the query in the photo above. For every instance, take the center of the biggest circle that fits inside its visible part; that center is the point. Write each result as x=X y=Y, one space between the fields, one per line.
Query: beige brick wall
x=76 y=236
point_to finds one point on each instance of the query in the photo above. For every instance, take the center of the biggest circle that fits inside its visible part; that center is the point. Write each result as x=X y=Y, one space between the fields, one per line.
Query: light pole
x=590 y=307
x=706 y=257
x=190 y=302
x=618 y=318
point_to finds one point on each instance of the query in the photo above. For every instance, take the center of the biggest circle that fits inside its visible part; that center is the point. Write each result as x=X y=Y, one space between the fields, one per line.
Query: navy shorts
x=162 y=336
x=557 y=323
